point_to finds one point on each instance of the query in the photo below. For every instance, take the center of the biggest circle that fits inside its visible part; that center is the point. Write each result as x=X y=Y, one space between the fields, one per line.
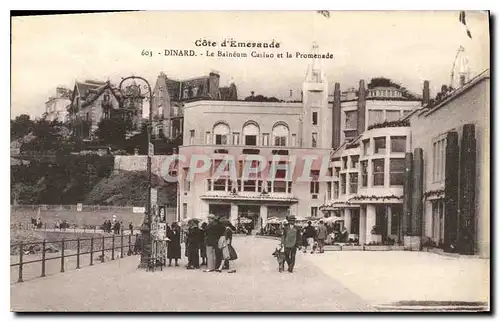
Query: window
x=207 y=138
x=351 y=120
x=438 y=207
x=250 y=185
x=375 y=117
x=364 y=173
x=315 y=118
x=251 y=133
x=191 y=137
x=353 y=183
x=337 y=172
x=280 y=134
x=344 y=163
x=314 y=187
x=392 y=115
x=396 y=214
x=342 y=184
x=366 y=147
x=378 y=172
x=335 y=190
x=294 y=139
x=329 y=190
x=250 y=140
x=265 y=139
x=220 y=139
x=438 y=160
x=314 y=211
x=354 y=161
x=280 y=186
x=397 y=172
x=219 y=185
x=236 y=138
x=221 y=132
x=398 y=143
x=184 y=210
x=314 y=140
x=187 y=183
x=379 y=145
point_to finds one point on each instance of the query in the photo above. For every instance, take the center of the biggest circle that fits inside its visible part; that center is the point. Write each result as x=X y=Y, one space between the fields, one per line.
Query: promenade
x=333 y=281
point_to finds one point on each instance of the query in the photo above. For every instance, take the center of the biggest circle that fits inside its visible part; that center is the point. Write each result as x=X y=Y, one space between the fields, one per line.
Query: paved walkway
x=392 y=276
x=256 y=286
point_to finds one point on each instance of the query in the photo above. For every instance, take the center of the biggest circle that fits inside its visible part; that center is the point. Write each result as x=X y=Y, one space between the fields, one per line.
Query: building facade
x=56 y=106
x=93 y=101
x=169 y=96
x=371 y=139
x=268 y=144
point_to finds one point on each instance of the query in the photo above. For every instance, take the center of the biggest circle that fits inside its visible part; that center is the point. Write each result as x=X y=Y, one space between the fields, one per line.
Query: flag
x=325 y=13
x=461 y=18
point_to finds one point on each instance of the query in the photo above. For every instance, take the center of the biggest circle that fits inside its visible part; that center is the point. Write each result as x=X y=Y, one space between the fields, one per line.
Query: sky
x=407 y=47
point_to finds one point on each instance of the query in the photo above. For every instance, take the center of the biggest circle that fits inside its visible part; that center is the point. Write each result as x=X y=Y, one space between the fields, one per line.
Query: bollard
x=62 y=256
x=20 y=279
x=113 y=248
x=121 y=246
x=92 y=251
x=43 y=259
x=102 y=259
x=78 y=253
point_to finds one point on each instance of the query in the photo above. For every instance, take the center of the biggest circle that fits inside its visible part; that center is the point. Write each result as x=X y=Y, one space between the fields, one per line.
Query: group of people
x=212 y=243
x=117 y=227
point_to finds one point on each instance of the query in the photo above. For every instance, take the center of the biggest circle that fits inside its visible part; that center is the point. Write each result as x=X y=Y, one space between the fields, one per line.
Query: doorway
x=221 y=210
x=252 y=213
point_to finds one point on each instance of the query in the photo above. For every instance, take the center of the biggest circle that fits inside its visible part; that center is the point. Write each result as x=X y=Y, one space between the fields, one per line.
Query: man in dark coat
x=290 y=242
x=213 y=232
x=193 y=242
x=174 y=245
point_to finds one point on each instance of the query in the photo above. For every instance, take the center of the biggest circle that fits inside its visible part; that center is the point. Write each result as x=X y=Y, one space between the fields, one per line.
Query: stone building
x=93 y=101
x=273 y=138
x=169 y=96
x=56 y=106
x=370 y=141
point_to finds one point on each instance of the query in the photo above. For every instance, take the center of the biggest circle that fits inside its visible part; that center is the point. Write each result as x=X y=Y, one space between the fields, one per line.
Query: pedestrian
x=225 y=242
x=193 y=244
x=214 y=231
x=203 y=244
x=174 y=245
x=131 y=227
x=321 y=236
x=290 y=242
x=309 y=235
x=122 y=227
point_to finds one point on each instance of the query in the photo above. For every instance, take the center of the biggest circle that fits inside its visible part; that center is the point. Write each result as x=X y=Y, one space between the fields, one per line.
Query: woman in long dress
x=174 y=245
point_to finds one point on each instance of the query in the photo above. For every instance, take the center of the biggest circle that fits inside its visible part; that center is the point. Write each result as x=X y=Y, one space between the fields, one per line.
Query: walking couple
x=218 y=240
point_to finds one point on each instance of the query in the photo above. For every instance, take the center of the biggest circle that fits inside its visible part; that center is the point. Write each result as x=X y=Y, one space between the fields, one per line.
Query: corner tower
x=316 y=118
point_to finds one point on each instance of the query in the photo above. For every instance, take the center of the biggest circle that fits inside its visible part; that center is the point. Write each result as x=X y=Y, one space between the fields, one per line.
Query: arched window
x=251 y=133
x=280 y=134
x=221 y=133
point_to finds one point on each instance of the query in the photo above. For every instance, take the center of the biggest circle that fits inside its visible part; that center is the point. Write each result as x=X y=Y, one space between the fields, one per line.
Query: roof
x=456 y=93
x=84 y=88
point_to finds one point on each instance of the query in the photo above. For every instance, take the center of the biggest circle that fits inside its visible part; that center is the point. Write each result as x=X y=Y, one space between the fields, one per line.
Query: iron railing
x=97 y=245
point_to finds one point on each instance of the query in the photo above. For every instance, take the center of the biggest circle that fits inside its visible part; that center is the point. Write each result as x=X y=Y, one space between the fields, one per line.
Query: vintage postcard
x=250 y=161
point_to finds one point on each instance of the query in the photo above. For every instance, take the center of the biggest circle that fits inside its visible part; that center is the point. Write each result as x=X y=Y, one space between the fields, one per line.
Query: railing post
x=129 y=244
x=142 y=243
x=92 y=251
x=102 y=259
x=94 y=229
x=43 y=259
x=20 y=279
x=121 y=243
x=113 y=248
x=78 y=253
x=84 y=229
x=62 y=256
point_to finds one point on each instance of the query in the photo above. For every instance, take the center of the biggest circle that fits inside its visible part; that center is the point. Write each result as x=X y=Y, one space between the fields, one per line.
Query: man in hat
x=290 y=241
x=193 y=244
x=213 y=232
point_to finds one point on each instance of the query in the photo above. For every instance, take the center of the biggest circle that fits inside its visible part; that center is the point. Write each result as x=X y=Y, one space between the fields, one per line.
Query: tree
x=20 y=126
x=48 y=137
x=112 y=132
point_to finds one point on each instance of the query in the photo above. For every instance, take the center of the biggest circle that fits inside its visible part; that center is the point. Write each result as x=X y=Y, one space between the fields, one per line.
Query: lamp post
x=134 y=92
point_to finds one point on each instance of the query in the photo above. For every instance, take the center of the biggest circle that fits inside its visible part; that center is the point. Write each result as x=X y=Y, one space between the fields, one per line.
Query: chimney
x=361 y=107
x=425 y=94
x=213 y=84
x=336 y=117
